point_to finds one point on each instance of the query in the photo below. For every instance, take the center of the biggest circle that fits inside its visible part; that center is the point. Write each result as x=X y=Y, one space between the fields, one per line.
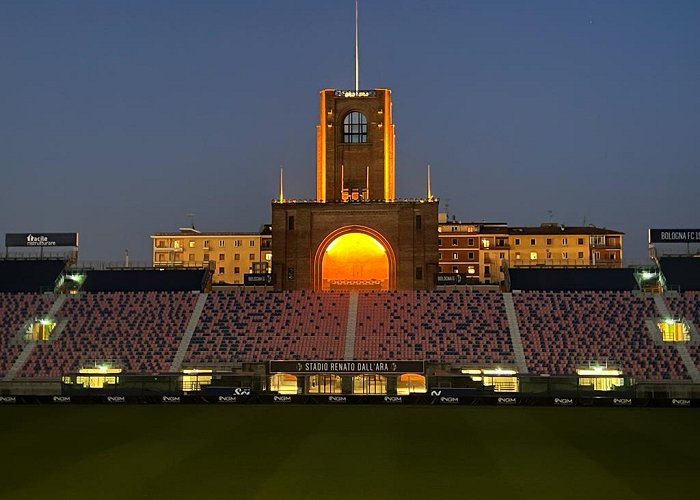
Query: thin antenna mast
x=367 y=181
x=281 y=184
x=357 y=48
x=430 y=194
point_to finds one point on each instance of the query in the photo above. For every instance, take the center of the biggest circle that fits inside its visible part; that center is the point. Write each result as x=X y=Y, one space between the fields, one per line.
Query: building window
x=486 y=243
x=612 y=256
x=565 y=255
x=564 y=241
x=222 y=243
x=501 y=242
x=533 y=255
x=191 y=243
x=455 y=269
x=419 y=273
x=251 y=256
x=533 y=242
x=517 y=241
x=549 y=241
x=596 y=255
x=454 y=242
x=206 y=257
x=355 y=128
x=268 y=256
x=222 y=256
x=470 y=256
x=580 y=241
x=419 y=222
x=237 y=256
x=487 y=270
x=517 y=255
x=251 y=243
x=471 y=270
x=236 y=270
x=290 y=223
x=439 y=242
x=454 y=229
x=206 y=243
x=161 y=257
x=221 y=270
x=580 y=255
x=470 y=242
x=455 y=256
x=177 y=244
x=237 y=243
x=190 y=257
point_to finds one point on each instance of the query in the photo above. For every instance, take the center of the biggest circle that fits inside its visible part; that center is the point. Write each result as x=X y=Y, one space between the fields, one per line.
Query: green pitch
x=359 y=452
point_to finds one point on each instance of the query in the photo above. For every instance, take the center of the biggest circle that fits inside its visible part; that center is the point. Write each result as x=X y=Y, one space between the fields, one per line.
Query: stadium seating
x=258 y=326
x=141 y=331
x=137 y=331
x=563 y=330
x=444 y=326
x=15 y=310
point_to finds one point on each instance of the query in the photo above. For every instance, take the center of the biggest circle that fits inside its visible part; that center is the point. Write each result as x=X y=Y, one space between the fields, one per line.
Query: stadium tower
x=356 y=235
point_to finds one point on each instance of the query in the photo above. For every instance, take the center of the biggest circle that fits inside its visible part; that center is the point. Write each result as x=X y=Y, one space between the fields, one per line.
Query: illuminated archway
x=354 y=258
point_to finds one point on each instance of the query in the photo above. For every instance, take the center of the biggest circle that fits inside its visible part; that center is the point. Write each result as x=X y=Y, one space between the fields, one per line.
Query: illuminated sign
x=450 y=279
x=41 y=240
x=258 y=279
x=342 y=366
x=674 y=235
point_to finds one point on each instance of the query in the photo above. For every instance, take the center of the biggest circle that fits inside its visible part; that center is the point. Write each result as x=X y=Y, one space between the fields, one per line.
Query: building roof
x=561 y=229
x=212 y=233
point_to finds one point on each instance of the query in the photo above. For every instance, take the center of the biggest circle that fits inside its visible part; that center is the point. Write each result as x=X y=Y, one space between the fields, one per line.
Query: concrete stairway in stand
x=515 y=333
x=350 y=329
x=176 y=365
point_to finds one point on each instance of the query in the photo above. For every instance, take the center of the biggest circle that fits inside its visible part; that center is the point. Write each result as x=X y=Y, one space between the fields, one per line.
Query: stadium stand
x=136 y=331
x=681 y=273
x=15 y=310
x=258 y=326
x=442 y=326
x=562 y=331
x=148 y=280
x=17 y=275
x=600 y=279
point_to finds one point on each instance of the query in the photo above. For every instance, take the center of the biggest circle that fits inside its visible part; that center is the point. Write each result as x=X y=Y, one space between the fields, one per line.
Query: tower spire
x=281 y=200
x=357 y=48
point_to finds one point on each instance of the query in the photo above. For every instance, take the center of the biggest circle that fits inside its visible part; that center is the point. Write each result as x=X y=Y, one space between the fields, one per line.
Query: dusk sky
x=119 y=118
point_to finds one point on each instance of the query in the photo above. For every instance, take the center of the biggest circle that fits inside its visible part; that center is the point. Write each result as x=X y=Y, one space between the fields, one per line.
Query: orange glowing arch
x=372 y=266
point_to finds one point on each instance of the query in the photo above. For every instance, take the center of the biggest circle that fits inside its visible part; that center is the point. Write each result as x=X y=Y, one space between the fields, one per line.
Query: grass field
x=364 y=452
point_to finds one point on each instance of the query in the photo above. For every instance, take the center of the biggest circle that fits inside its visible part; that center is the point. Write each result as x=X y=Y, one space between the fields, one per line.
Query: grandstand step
x=518 y=350
x=189 y=332
x=688 y=361
x=661 y=306
x=349 y=352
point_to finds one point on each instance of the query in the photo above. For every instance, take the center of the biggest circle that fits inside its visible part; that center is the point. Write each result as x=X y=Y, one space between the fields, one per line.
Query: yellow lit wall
x=232 y=254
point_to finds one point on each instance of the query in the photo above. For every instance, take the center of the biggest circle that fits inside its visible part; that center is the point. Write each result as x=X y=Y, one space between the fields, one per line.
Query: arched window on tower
x=355 y=128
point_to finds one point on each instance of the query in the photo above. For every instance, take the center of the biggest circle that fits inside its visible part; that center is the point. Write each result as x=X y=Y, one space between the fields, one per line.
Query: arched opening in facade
x=355 y=258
